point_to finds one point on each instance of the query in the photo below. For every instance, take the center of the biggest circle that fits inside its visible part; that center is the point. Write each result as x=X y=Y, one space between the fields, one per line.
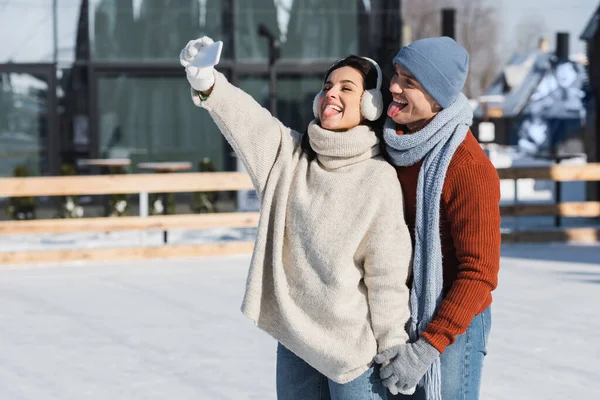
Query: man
x=451 y=192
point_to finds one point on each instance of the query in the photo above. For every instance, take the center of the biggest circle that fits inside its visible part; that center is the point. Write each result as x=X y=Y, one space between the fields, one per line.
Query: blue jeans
x=296 y=380
x=462 y=362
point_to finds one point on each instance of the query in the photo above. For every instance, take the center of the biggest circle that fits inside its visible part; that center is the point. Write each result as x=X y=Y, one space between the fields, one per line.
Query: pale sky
x=558 y=15
x=26 y=25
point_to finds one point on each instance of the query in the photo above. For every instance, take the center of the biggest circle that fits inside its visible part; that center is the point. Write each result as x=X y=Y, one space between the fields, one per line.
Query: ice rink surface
x=172 y=329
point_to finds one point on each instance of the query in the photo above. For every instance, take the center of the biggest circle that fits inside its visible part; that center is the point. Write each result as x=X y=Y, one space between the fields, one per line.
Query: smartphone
x=208 y=56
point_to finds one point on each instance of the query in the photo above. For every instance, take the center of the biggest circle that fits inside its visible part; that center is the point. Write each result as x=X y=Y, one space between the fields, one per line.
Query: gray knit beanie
x=439 y=64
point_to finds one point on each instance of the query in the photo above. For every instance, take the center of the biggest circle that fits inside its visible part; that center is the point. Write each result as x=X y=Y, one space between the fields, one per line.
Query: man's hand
x=405 y=365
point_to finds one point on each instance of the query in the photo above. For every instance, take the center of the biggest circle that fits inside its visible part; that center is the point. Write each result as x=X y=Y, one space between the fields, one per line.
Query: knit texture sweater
x=332 y=253
x=470 y=237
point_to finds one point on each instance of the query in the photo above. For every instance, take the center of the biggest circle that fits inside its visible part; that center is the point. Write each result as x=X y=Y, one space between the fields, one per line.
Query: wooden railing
x=141 y=184
x=118 y=184
x=230 y=181
x=558 y=174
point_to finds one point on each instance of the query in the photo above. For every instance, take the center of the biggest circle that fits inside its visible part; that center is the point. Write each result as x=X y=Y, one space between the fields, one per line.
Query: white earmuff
x=316 y=104
x=371 y=103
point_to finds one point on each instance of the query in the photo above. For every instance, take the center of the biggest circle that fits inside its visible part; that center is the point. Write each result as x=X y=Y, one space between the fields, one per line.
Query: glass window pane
x=23 y=123
x=314 y=29
x=319 y=29
x=26 y=31
x=249 y=45
x=70 y=20
x=257 y=87
x=294 y=97
x=150 y=29
x=73 y=113
x=154 y=119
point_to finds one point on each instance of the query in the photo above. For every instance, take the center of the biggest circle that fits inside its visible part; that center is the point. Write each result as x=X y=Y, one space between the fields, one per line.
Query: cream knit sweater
x=332 y=253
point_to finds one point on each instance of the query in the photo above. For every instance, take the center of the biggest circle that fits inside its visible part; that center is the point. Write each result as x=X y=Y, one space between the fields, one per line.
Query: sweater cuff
x=204 y=101
x=390 y=343
x=440 y=342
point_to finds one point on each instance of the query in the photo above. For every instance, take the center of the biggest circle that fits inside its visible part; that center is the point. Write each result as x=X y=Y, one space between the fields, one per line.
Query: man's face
x=411 y=103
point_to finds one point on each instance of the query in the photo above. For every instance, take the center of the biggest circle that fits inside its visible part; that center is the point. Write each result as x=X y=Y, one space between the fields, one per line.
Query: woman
x=328 y=273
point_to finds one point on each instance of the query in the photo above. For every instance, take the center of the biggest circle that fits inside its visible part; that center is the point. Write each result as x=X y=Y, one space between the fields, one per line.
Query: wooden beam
x=584 y=235
x=219 y=181
x=117 y=184
x=588 y=209
x=126 y=253
x=159 y=222
x=559 y=173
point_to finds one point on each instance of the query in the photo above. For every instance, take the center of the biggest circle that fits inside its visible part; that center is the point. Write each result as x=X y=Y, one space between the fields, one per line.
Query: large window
x=154 y=119
x=150 y=29
x=117 y=89
x=27 y=31
x=23 y=123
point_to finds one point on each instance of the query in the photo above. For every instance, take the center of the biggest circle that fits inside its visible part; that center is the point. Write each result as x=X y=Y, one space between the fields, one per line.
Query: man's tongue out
x=394 y=108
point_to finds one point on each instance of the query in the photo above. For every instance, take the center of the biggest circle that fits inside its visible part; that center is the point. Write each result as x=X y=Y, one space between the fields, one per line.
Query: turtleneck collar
x=339 y=149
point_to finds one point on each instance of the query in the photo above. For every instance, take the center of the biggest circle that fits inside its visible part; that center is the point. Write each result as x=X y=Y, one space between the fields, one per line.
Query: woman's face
x=411 y=103
x=339 y=105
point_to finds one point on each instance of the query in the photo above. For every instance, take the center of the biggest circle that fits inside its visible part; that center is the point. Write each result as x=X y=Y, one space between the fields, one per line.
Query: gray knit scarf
x=436 y=144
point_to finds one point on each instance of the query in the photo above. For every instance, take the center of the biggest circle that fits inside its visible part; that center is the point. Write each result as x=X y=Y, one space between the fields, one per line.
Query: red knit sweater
x=470 y=236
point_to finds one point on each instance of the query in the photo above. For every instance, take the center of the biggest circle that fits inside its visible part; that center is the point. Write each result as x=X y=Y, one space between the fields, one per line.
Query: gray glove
x=408 y=363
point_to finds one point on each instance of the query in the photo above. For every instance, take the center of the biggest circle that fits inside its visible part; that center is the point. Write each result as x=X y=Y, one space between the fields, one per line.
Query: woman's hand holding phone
x=199 y=57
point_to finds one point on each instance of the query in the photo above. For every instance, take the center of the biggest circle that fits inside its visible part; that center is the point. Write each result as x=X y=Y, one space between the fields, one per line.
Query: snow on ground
x=545 y=340
x=151 y=330
x=172 y=329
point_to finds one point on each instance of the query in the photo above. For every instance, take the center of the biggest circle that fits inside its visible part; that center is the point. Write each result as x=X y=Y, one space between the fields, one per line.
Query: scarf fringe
x=432 y=381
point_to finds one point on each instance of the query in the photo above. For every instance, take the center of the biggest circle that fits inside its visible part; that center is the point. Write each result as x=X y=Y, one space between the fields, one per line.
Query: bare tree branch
x=477 y=25
x=423 y=17
x=478 y=22
x=528 y=33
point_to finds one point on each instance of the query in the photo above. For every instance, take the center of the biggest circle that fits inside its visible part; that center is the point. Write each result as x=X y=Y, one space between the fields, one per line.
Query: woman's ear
x=437 y=107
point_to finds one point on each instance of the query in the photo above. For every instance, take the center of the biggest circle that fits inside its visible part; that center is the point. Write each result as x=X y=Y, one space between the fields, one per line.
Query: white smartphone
x=208 y=56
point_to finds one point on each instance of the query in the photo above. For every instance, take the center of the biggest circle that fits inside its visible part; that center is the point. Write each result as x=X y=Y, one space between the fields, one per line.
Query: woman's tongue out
x=394 y=108
x=331 y=111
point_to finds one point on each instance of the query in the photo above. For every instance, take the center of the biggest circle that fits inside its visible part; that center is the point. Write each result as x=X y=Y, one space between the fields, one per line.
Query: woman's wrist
x=203 y=95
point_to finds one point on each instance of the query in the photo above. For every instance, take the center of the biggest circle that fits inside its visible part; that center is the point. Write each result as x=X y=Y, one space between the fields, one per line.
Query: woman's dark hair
x=369 y=74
